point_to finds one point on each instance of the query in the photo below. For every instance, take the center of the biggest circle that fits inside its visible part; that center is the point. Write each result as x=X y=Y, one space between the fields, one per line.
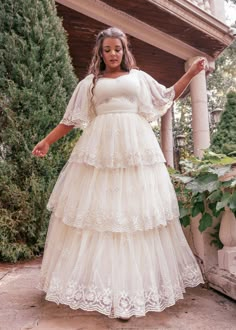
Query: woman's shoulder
x=139 y=72
x=141 y=75
x=88 y=78
x=86 y=81
x=135 y=71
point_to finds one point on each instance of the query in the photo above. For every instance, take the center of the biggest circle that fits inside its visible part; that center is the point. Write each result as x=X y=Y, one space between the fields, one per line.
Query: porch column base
x=227 y=259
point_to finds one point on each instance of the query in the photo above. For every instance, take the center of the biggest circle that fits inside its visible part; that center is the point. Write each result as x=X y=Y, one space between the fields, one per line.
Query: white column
x=218 y=9
x=200 y=117
x=167 y=138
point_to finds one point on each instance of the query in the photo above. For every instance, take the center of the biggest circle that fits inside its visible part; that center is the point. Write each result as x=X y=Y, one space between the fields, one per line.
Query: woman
x=115 y=244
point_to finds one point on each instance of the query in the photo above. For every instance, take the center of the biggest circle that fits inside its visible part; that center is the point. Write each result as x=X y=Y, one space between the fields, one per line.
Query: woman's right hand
x=41 y=149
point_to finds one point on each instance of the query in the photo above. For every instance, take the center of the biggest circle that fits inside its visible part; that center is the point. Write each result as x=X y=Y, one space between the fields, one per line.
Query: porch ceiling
x=188 y=30
x=179 y=19
x=82 y=31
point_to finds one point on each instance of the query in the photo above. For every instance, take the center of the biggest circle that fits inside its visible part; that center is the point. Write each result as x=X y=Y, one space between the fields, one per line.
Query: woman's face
x=112 y=53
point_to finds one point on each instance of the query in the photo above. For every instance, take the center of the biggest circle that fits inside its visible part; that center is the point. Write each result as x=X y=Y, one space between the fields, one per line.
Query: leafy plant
x=201 y=190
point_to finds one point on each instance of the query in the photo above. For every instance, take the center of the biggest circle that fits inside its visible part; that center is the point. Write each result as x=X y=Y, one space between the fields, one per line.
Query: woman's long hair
x=97 y=65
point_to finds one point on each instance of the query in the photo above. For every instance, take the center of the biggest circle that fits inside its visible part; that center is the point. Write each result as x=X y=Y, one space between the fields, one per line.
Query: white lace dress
x=115 y=244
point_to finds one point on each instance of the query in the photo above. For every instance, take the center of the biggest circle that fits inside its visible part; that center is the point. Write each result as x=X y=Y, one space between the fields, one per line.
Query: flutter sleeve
x=79 y=109
x=154 y=99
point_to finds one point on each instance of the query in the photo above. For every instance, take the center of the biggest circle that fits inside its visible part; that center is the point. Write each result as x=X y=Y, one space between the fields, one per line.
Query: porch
x=166 y=37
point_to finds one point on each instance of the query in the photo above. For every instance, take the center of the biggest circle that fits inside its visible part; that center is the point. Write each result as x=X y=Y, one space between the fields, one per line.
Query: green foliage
x=36 y=81
x=224 y=139
x=200 y=190
x=182 y=124
x=222 y=80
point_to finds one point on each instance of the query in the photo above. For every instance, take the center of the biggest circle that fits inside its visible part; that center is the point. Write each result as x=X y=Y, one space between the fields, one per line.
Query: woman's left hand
x=197 y=66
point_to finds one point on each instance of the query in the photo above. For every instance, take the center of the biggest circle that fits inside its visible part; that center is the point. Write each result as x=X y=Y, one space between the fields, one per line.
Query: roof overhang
x=175 y=27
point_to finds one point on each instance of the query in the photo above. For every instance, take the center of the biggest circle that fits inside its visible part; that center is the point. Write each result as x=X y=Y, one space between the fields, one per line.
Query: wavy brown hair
x=97 y=65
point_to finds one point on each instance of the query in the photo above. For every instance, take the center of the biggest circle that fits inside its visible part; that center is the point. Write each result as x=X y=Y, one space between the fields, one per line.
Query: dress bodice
x=116 y=95
x=135 y=92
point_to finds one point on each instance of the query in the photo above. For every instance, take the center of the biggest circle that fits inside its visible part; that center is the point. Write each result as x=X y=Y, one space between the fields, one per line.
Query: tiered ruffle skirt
x=115 y=244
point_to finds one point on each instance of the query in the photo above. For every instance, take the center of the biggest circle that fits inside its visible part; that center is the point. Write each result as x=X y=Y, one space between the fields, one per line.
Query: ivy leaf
x=229 y=184
x=197 y=208
x=185 y=221
x=207 y=182
x=205 y=222
x=183 y=212
x=182 y=178
x=203 y=168
x=198 y=198
x=215 y=212
x=233 y=183
x=224 y=201
x=213 y=155
x=207 y=178
x=215 y=196
x=220 y=170
x=232 y=201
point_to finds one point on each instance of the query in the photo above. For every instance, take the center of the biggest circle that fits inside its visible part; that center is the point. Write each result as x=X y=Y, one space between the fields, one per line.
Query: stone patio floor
x=23 y=307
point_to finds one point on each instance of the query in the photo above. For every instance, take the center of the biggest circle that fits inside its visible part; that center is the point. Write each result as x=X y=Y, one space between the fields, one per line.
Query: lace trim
x=79 y=112
x=99 y=220
x=123 y=303
x=158 y=107
x=118 y=159
x=77 y=123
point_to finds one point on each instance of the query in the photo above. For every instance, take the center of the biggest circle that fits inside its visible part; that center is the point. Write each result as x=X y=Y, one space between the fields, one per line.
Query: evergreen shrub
x=224 y=139
x=36 y=82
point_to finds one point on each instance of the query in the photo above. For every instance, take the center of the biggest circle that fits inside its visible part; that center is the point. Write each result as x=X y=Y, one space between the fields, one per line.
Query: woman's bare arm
x=41 y=148
x=185 y=80
x=58 y=132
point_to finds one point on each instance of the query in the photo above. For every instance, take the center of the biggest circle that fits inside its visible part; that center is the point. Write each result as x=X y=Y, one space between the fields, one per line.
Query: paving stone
x=23 y=307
